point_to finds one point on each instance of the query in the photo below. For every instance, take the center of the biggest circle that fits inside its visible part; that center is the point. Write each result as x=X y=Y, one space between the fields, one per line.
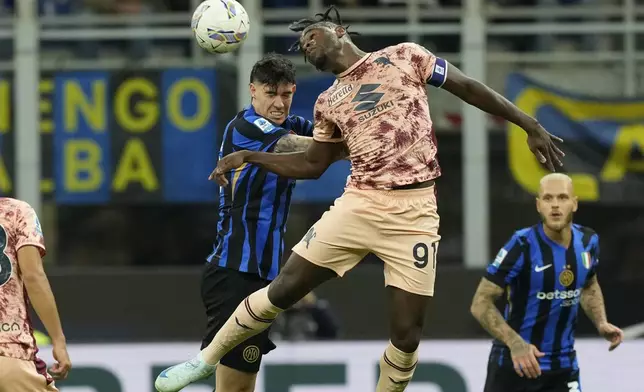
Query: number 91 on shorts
x=399 y=227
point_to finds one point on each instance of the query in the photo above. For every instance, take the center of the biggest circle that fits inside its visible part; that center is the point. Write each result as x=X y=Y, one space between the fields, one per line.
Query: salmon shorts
x=398 y=226
x=18 y=375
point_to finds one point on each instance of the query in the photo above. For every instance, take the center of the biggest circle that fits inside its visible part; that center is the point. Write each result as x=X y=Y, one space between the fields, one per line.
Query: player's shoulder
x=295 y=119
x=405 y=49
x=253 y=121
x=524 y=236
x=297 y=124
x=253 y=126
x=9 y=203
x=587 y=234
x=322 y=102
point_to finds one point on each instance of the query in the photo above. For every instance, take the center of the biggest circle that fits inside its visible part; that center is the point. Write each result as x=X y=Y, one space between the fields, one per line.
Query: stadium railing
x=412 y=21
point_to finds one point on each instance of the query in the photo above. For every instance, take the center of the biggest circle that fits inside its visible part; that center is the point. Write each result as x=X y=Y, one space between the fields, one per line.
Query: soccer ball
x=220 y=26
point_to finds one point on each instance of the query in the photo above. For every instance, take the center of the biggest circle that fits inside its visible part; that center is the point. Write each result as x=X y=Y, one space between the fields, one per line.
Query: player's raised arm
x=475 y=93
x=30 y=245
x=592 y=301
x=440 y=73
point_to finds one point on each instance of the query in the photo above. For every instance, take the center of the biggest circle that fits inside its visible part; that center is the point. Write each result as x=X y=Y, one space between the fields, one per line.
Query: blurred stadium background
x=111 y=117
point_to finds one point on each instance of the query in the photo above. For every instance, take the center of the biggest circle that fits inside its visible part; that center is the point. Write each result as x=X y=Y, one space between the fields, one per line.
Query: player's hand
x=542 y=145
x=524 y=358
x=611 y=333
x=229 y=162
x=63 y=364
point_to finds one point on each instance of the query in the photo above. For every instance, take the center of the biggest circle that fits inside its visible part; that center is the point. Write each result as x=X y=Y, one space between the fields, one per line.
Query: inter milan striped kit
x=247 y=252
x=253 y=210
x=543 y=282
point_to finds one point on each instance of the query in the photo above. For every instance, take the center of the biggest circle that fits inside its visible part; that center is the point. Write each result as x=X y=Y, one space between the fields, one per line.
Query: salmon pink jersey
x=19 y=226
x=379 y=108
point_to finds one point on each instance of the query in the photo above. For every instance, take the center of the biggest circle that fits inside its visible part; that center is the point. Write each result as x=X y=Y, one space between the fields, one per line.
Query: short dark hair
x=273 y=69
x=318 y=20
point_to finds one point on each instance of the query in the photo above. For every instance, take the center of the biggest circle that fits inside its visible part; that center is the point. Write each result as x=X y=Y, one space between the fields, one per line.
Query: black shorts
x=505 y=379
x=222 y=290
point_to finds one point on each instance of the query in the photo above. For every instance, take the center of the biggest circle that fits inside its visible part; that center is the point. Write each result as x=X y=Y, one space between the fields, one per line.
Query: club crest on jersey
x=566 y=277
x=499 y=258
x=586 y=260
x=340 y=94
x=264 y=125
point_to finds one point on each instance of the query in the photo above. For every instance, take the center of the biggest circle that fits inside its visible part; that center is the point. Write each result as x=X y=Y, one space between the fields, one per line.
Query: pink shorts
x=399 y=226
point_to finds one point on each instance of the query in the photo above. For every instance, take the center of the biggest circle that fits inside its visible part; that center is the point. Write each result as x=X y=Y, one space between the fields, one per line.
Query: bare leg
x=254 y=315
x=257 y=311
x=399 y=360
x=232 y=380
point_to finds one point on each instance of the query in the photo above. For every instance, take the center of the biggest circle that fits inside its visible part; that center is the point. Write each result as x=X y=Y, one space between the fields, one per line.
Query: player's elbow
x=33 y=277
x=475 y=308
x=479 y=306
x=314 y=170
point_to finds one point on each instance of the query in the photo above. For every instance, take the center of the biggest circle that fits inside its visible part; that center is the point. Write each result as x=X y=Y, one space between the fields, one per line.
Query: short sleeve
x=324 y=131
x=429 y=68
x=28 y=230
x=255 y=133
x=593 y=259
x=507 y=264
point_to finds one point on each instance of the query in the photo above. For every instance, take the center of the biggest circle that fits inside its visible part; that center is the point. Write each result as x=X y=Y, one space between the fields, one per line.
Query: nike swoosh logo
x=539 y=269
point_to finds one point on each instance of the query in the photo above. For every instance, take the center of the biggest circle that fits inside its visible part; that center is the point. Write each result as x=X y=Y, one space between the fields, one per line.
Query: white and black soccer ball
x=220 y=26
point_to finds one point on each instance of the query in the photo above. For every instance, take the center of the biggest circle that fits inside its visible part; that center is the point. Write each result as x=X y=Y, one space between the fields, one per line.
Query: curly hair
x=273 y=69
x=318 y=20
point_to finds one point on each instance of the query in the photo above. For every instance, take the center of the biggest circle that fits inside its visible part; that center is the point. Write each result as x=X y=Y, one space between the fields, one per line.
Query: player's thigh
x=233 y=380
x=297 y=278
x=341 y=237
x=408 y=240
x=17 y=375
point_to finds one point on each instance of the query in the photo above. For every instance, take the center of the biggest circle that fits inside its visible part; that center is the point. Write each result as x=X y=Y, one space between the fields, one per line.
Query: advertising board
x=444 y=366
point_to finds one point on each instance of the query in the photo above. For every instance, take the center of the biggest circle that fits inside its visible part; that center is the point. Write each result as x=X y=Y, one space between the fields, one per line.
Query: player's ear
x=293 y=89
x=536 y=202
x=574 y=204
x=252 y=89
x=340 y=31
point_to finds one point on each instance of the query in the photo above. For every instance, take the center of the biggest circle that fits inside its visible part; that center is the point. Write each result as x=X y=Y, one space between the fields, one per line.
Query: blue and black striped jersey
x=544 y=282
x=253 y=209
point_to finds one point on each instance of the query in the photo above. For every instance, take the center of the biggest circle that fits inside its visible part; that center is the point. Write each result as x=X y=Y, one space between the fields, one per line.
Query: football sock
x=253 y=315
x=396 y=369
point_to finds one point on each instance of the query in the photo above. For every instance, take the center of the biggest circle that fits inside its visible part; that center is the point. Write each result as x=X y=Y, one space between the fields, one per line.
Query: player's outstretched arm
x=42 y=299
x=475 y=93
x=296 y=143
x=309 y=164
x=292 y=143
x=592 y=301
x=524 y=355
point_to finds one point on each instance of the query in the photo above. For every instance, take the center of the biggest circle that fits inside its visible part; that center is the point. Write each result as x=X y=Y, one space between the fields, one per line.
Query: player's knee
x=279 y=292
x=406 y=338
x=232 y=380
x=297 y=279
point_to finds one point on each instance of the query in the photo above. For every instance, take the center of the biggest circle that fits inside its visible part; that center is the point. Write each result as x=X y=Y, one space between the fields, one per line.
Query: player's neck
x=561 y=237
x=350 y=55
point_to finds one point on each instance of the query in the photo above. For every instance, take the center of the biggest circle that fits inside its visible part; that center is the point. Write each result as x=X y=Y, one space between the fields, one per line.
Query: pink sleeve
x=429 y=68
x=28 y=229
x=324 y=131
